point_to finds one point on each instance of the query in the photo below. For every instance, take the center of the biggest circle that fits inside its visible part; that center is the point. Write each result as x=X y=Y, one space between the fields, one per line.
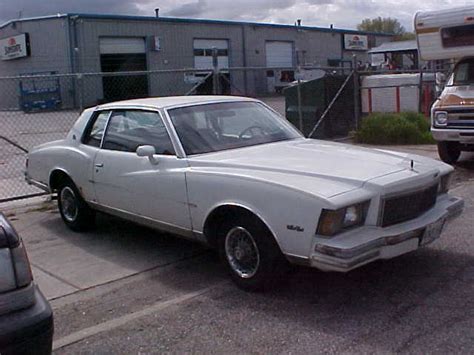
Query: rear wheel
x=250 y=253
x=449 y=152
x=75 y=212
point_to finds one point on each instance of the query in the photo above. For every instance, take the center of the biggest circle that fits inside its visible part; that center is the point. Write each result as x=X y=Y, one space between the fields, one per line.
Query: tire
x=449 y=152
x=75 y=212
x=255 y=262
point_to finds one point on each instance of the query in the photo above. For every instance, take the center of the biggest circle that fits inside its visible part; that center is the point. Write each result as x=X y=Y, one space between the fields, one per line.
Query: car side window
x=129 y=129
x=95 y=130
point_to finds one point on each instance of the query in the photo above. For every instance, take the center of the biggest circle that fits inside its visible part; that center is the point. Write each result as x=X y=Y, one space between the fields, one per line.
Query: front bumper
x=369 y=243
x=464 y=136
x=28 y=331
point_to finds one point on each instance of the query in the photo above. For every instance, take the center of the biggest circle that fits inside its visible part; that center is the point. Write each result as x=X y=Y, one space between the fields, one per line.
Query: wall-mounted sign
x=377 y=59
x=15 y=47
x=356 y=42
x=156 y=43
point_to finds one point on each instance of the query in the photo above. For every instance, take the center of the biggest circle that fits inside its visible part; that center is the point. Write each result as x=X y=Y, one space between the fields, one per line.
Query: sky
x=340 y=13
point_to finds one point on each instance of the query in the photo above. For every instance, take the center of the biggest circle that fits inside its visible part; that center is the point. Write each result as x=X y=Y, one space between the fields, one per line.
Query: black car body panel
x=26 y=317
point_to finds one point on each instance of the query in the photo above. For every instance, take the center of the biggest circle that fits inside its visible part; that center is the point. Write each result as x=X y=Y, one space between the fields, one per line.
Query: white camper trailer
x=449 y=34
x=445 y=34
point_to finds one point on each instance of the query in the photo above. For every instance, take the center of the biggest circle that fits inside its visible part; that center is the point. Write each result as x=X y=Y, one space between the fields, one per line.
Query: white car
x=232 y=173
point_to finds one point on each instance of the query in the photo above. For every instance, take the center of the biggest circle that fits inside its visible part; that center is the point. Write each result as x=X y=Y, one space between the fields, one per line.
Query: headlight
x=441 y=118
x=332 y=222
x=444 y=183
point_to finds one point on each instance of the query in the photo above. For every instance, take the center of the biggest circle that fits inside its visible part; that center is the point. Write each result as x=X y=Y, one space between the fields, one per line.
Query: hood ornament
x=412 y=166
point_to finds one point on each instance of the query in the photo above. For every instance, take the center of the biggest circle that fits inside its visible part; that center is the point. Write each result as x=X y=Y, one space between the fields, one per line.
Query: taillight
x=22 y=266
x=15 y=270
x=8 y=236
x=7 y=273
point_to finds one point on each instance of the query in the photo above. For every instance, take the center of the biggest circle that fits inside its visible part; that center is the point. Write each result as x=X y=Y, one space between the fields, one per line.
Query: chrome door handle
x=99 y=165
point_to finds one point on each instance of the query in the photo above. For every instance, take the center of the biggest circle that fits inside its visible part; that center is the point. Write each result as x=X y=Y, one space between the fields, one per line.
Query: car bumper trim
x=411 y=235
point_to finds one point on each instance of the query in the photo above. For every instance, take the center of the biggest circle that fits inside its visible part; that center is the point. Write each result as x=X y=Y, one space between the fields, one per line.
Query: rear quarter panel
x=73 y=159
x=67 y=155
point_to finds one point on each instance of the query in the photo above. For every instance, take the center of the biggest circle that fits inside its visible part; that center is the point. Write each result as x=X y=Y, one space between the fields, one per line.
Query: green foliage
x=407 y=36
x=392 y=128
x=382 y=25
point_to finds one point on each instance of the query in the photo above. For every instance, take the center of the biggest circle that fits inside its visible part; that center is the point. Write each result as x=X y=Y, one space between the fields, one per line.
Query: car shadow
x=126 y=244
x=365 y=305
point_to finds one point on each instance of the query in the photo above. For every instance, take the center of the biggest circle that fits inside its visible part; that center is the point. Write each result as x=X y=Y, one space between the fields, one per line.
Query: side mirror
x=440 y=79
x=149 y=152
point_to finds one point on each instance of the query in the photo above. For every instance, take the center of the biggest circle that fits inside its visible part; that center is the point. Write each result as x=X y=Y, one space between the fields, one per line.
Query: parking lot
x=127 y=289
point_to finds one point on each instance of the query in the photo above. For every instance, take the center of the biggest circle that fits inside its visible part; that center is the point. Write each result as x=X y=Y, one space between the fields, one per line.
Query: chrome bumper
x=465 y=136
x=366 y=244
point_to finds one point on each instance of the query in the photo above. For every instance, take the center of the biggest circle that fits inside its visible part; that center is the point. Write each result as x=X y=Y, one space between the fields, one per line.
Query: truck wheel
x=250 y=254
x=449 y=152
x=75 y=212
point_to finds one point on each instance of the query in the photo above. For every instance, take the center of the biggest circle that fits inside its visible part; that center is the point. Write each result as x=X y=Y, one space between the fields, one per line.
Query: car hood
x=336 y=167
x=456 y=96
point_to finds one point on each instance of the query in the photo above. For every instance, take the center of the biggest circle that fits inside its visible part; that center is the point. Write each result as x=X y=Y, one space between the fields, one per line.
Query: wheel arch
x=56 y=177
x=220 y=213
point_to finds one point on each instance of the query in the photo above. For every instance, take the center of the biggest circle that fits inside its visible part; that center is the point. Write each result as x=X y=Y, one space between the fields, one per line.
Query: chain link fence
x=34 y=109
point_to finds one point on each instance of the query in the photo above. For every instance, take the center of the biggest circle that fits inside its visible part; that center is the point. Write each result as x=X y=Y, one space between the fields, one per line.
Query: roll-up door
x=203 y=53
x=122 y=45
x=279 y=54
x=123 y=54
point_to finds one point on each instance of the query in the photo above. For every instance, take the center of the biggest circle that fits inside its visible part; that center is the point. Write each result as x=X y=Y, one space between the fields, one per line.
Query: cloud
x=193 y=9
x=341 y=13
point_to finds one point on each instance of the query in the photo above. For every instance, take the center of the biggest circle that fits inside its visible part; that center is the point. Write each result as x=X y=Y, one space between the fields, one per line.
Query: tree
x=379 y=24
x=386 y=25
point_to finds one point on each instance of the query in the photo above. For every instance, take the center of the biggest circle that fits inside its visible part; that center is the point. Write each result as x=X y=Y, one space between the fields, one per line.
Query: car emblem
x=295 y=228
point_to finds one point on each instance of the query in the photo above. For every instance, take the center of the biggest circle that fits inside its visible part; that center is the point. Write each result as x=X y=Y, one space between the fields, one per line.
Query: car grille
x=460 y=118
x=407 y=206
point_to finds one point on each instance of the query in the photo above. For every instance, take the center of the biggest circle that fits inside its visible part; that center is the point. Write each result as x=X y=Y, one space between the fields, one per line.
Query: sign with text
x=356 y=42
x=14 y=47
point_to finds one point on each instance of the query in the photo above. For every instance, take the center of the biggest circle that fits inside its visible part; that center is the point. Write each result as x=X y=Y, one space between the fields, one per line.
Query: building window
x=208 y=52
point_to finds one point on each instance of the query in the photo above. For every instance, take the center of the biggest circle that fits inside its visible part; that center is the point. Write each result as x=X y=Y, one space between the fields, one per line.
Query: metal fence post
x=420 y=92
x=215 y=71
x=357 y=95
x=80 y=91
x=298 y=91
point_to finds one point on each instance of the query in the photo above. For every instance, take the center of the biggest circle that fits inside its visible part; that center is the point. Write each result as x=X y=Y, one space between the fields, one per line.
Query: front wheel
x=75 y=212
x=449 y=152
x=250 y=253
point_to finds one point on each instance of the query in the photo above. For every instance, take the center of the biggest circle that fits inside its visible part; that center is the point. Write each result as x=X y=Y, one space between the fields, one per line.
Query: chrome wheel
x=69 y=207
x=242 y=252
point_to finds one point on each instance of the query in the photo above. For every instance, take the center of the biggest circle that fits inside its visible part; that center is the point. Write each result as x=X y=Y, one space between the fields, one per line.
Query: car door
x=152 y=188
x=82 y=166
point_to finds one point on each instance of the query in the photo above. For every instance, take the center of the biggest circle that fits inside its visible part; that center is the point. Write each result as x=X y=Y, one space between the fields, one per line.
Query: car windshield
x=215 y=127
x=464 y=73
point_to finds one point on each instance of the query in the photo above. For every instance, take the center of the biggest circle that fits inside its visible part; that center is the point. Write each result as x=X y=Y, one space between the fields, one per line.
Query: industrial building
x=87 y=43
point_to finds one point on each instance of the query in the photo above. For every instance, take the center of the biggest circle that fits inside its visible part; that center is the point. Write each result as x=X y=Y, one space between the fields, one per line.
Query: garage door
x=122 y=45
x=279 y=54
x=123 y=54
x=203 y=53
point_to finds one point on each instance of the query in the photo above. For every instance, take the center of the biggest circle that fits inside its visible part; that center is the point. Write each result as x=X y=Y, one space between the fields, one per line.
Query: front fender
x=290 y=215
